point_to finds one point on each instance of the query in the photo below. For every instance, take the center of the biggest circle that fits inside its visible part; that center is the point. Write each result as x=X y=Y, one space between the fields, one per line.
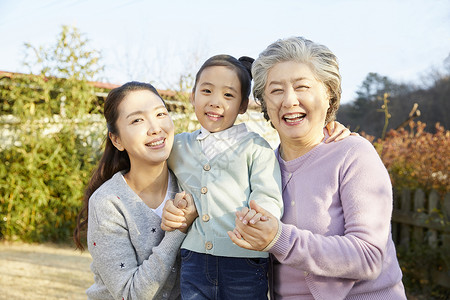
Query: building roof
x=166 y=94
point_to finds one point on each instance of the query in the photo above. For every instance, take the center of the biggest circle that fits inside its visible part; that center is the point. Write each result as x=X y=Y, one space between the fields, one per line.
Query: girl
x=132 y=257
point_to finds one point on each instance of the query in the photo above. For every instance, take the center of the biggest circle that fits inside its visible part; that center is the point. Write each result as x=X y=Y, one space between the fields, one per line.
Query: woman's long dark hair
x=112 y=160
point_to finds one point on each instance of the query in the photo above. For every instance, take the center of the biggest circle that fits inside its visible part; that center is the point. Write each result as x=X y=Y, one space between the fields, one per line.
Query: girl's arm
x=265 y=177
x=115 y=255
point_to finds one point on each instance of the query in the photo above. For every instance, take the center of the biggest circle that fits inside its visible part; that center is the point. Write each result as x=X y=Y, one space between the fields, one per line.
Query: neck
x=149 y=182
x=293 y=148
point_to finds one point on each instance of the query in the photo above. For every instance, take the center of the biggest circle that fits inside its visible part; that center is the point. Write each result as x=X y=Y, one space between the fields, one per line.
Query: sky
x=158 y=41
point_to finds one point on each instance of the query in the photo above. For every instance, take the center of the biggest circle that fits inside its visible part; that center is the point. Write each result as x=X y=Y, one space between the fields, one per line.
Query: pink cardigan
x=335 y=237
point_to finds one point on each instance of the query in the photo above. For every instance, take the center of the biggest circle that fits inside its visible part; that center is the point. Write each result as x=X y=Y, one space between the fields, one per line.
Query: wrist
x=275 y=238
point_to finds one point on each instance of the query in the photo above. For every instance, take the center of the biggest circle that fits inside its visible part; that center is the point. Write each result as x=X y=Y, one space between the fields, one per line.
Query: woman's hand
x=254 y=236
x=179 y=213
x=337 y=132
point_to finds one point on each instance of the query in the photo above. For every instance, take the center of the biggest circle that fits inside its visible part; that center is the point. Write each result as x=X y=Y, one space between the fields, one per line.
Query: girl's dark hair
x=112 y=160
x=241 y=66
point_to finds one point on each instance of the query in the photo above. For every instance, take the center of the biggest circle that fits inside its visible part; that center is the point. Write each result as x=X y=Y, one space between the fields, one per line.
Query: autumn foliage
x=416 y=158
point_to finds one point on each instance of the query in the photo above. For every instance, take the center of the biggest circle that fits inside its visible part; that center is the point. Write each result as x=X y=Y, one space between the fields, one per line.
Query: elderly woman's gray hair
x=318 y=57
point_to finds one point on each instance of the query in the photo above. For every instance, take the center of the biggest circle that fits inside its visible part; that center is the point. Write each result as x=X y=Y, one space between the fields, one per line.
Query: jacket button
x=204 y=190
x=207 y=167
x=205 y=218
x=208 y=245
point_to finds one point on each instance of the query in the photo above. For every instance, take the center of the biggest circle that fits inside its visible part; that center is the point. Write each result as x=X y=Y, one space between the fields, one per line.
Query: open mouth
x=294 y=118
x=213 y=116
x=156 y=143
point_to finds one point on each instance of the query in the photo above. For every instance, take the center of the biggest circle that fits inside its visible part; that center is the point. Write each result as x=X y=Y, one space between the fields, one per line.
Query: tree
x=43 y=174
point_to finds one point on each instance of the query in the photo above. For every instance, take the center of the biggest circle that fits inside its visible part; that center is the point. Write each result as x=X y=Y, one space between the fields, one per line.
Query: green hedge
x=42 y=182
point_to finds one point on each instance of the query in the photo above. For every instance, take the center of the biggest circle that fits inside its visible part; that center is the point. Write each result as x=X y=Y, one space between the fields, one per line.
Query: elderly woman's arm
x=366 y=198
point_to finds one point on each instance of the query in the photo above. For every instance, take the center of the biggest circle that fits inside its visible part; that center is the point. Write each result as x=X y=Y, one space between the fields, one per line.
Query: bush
x=415 y=158
x=42 y=182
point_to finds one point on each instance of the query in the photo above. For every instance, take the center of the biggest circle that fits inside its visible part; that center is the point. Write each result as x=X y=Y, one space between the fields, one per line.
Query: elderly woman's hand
x=254 y=236
x=337 y=132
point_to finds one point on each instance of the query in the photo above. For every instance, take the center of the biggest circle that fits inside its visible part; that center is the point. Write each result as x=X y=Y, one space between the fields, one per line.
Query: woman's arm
x=115 y=257
x=358 y=254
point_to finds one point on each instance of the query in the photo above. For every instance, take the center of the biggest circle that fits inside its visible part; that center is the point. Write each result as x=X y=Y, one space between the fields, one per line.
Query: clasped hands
x=179 y=213
x=254 y=228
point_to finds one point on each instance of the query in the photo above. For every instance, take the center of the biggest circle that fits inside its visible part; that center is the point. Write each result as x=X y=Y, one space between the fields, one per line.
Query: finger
x=173 y=224
x=253 y=205
x=256 y=218
x=241 y=243
x=237 y=233
x=239 y=214
x=173 y=218
x=182 y=204
x=179 y=197
x=251 y=213
x=172 y=209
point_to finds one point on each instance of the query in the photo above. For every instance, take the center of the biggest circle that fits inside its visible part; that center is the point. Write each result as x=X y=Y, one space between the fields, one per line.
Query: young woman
x=133 y=258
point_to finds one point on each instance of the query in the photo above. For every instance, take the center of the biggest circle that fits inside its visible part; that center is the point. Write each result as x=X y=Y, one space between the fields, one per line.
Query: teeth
x=156 y=143
x=293 y=118
x=213 y=115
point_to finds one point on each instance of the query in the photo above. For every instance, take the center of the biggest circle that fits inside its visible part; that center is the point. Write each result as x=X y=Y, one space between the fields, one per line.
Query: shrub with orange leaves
x=416 y=158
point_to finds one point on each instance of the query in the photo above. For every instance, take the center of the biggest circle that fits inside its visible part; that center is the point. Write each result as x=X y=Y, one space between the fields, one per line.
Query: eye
x=276 y=91
x=206 y=91
x=137 y=120
x=162 y=114
x=301 y=87
x=229 y=95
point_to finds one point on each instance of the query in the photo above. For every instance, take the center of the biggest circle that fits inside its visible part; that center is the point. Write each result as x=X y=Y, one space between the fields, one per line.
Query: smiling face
x=217 y=98
x=145 y=129
x=296 y=102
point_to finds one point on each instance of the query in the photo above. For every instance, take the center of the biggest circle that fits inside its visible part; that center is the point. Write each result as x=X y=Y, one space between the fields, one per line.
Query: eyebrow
x=210 y=84
x=294 y=80
x=139 y=112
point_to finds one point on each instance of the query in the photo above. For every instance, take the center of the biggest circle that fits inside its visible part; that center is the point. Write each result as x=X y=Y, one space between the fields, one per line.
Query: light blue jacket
x=248 y=170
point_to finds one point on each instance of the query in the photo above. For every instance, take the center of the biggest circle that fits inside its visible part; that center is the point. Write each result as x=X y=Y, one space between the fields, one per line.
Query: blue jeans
x=204 y=276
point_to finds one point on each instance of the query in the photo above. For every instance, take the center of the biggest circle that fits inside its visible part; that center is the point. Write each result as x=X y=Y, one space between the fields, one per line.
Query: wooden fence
x=424 y=219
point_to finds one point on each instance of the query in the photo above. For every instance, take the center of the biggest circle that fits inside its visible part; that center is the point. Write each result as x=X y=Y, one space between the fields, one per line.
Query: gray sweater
x=133 y=258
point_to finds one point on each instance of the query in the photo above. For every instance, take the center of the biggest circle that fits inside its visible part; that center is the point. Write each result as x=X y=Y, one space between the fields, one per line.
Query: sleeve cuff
x=275 y=239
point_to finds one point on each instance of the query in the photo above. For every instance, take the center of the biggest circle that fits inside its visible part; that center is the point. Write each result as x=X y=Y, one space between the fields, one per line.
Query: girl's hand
x=337 y=132
x=250 y=216
x=255 y=236
x=188 y=206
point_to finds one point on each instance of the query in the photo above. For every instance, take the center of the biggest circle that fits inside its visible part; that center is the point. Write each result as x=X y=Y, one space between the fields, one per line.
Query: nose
x=214 y=101
x=153 y=127
x=290 y=98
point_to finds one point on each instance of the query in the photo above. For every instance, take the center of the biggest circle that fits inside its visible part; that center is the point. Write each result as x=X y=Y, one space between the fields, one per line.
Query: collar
x=224 y=134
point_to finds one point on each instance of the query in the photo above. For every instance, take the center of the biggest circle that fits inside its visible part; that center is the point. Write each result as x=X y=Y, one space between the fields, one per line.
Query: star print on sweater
x=153 y=230
x=122 y=265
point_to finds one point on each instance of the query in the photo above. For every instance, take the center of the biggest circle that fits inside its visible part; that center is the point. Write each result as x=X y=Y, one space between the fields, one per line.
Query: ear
x=243 y=107
x=115 y=139
x=192 y=98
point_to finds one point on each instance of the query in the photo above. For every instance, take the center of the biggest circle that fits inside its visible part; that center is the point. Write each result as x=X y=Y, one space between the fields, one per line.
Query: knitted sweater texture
x=335 y=236
x=133 y=258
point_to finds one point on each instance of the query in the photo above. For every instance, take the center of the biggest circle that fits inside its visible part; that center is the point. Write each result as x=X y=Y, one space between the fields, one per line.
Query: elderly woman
x=333 y=241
